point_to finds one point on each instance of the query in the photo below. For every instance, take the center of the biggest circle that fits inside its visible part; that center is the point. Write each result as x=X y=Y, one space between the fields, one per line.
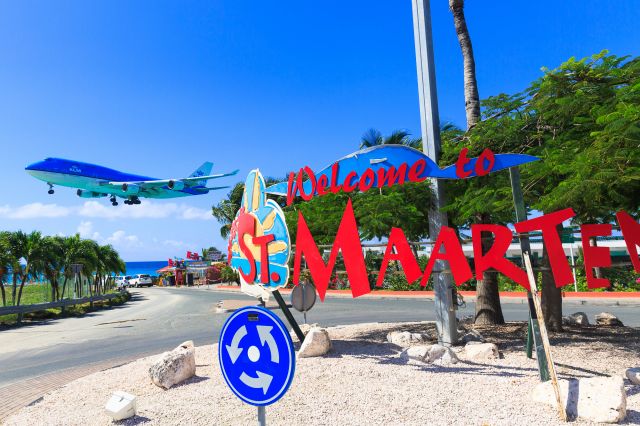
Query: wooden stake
x=545 y=337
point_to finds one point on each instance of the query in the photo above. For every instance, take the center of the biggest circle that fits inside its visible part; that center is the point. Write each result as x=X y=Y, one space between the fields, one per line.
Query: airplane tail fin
x=203 y=170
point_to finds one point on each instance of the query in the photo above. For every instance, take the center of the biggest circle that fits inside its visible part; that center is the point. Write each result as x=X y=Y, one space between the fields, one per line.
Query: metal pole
x=262 y=416
x=287 y=313
x=525 y=247
x=430 y=124
x=573 y=265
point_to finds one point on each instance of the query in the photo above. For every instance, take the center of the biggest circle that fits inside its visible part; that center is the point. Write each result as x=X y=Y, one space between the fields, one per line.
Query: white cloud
x=191 y=213
x=120 y=239
x=85 y=229
x=35 y=211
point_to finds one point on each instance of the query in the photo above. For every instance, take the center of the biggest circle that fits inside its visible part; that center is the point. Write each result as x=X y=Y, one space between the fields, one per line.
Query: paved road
x=158 y=319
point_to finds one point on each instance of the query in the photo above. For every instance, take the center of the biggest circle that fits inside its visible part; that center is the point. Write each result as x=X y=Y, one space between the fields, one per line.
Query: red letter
x=454 y=255
x=367 y=175
x=631 y=233
x=335 y=188
x=595 y=256
x=390 y=176
x=404 y=255
x=557 y=259
x=416 y=170
x=264 y=255
x=347 y=187
x=486 y=155
x=296 y=187
x=494 y=258
x=347 y=240
x=462 y=161
x=247 y=225
x=323 y=180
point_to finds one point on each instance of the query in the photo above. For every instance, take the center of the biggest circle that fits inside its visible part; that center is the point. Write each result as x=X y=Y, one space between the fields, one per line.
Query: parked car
x=122 y=281
x=141 y=280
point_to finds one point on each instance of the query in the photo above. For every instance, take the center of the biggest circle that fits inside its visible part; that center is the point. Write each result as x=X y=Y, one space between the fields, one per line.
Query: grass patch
x=69 y=311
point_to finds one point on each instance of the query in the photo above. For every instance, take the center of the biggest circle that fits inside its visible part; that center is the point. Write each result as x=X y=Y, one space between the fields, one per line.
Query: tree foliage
x=52 y=256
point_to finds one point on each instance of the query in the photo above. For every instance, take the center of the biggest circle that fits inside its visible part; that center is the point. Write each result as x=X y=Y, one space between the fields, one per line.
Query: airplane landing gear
x=114 y=201
x=50 y=191
x=132 y=200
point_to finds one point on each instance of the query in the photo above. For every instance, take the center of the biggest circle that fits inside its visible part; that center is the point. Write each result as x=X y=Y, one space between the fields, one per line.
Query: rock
x=316 y=343
x=607 y=318
x=305 y=328
x=405 y=338
x=599 y=399
x=440 y=355
x=579 y=318
x=472 y=336
x=475 y=351
x=430 y=354
x=175 y=366
x=416 y=353
x=633 y=374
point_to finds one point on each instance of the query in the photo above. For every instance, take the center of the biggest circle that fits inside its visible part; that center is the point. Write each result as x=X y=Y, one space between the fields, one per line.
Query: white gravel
x=362 y=382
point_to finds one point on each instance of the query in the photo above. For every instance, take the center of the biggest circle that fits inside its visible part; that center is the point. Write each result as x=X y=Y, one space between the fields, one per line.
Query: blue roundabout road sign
x=256 y=355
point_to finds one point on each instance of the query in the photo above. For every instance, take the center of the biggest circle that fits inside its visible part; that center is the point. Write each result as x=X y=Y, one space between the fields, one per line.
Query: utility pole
x=430 y=124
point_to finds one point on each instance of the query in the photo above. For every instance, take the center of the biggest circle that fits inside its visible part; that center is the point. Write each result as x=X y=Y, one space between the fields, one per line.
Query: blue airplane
x=95 y=181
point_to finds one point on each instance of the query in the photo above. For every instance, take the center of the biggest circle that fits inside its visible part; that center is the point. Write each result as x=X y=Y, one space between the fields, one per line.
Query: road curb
x=411 y=294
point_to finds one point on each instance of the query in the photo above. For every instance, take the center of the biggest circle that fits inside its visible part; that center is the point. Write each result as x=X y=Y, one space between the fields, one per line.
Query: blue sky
x=158 y=87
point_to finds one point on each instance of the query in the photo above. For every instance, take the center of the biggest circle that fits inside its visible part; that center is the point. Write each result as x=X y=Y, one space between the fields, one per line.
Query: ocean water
x=150 y=267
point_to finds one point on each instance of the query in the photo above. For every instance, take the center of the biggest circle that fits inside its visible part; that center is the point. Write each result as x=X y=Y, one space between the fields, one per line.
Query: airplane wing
x=175 y=184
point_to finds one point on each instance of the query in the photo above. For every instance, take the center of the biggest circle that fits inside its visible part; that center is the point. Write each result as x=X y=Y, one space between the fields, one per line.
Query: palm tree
x=109 y=262
x=225 y=211
x=5 y=263
x=471 y=96
x=53 y=262
x=373 y=137
x=34 y=256
x=16 y=244
x=78 y=251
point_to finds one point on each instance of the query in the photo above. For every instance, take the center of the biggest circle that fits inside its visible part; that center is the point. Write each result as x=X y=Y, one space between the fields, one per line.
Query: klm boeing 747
x=93 y=181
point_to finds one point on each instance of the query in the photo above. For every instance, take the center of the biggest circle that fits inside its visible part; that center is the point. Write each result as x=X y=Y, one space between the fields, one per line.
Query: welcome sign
x=259 y=244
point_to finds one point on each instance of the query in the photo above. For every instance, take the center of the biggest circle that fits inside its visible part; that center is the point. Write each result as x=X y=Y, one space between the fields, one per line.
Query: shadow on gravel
x=135 y=420
x=362 y=349
x=194 y=379
x=512 y=337
x=633 y=390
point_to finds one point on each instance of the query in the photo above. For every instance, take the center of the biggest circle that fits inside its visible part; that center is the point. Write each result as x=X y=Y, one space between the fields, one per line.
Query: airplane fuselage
x=92 y=178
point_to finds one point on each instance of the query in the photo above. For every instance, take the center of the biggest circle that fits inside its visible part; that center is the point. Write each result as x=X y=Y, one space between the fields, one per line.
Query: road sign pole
x=533 y=331
x=287 y=313
x=262 y=416
x=430 y=124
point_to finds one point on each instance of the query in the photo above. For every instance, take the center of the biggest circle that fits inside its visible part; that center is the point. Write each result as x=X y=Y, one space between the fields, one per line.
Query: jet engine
x=130 y=188
x=176 y=185
x=83 y=193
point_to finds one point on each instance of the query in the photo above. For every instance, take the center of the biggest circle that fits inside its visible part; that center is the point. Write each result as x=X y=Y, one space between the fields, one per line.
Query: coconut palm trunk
x=488 y=309
x=4 y=296
x=471 y=97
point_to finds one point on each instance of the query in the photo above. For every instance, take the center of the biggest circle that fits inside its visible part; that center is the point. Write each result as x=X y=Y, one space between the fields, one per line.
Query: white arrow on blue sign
x=256 y=355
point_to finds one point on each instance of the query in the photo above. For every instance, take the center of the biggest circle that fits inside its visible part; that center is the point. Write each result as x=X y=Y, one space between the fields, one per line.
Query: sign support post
x=430 y=124
x=262 y=416
x=287 y=313
x=533 y=330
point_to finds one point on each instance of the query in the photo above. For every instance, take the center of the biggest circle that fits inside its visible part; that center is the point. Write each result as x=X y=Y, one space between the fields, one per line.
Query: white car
x=141 y=280
x=122 y=281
